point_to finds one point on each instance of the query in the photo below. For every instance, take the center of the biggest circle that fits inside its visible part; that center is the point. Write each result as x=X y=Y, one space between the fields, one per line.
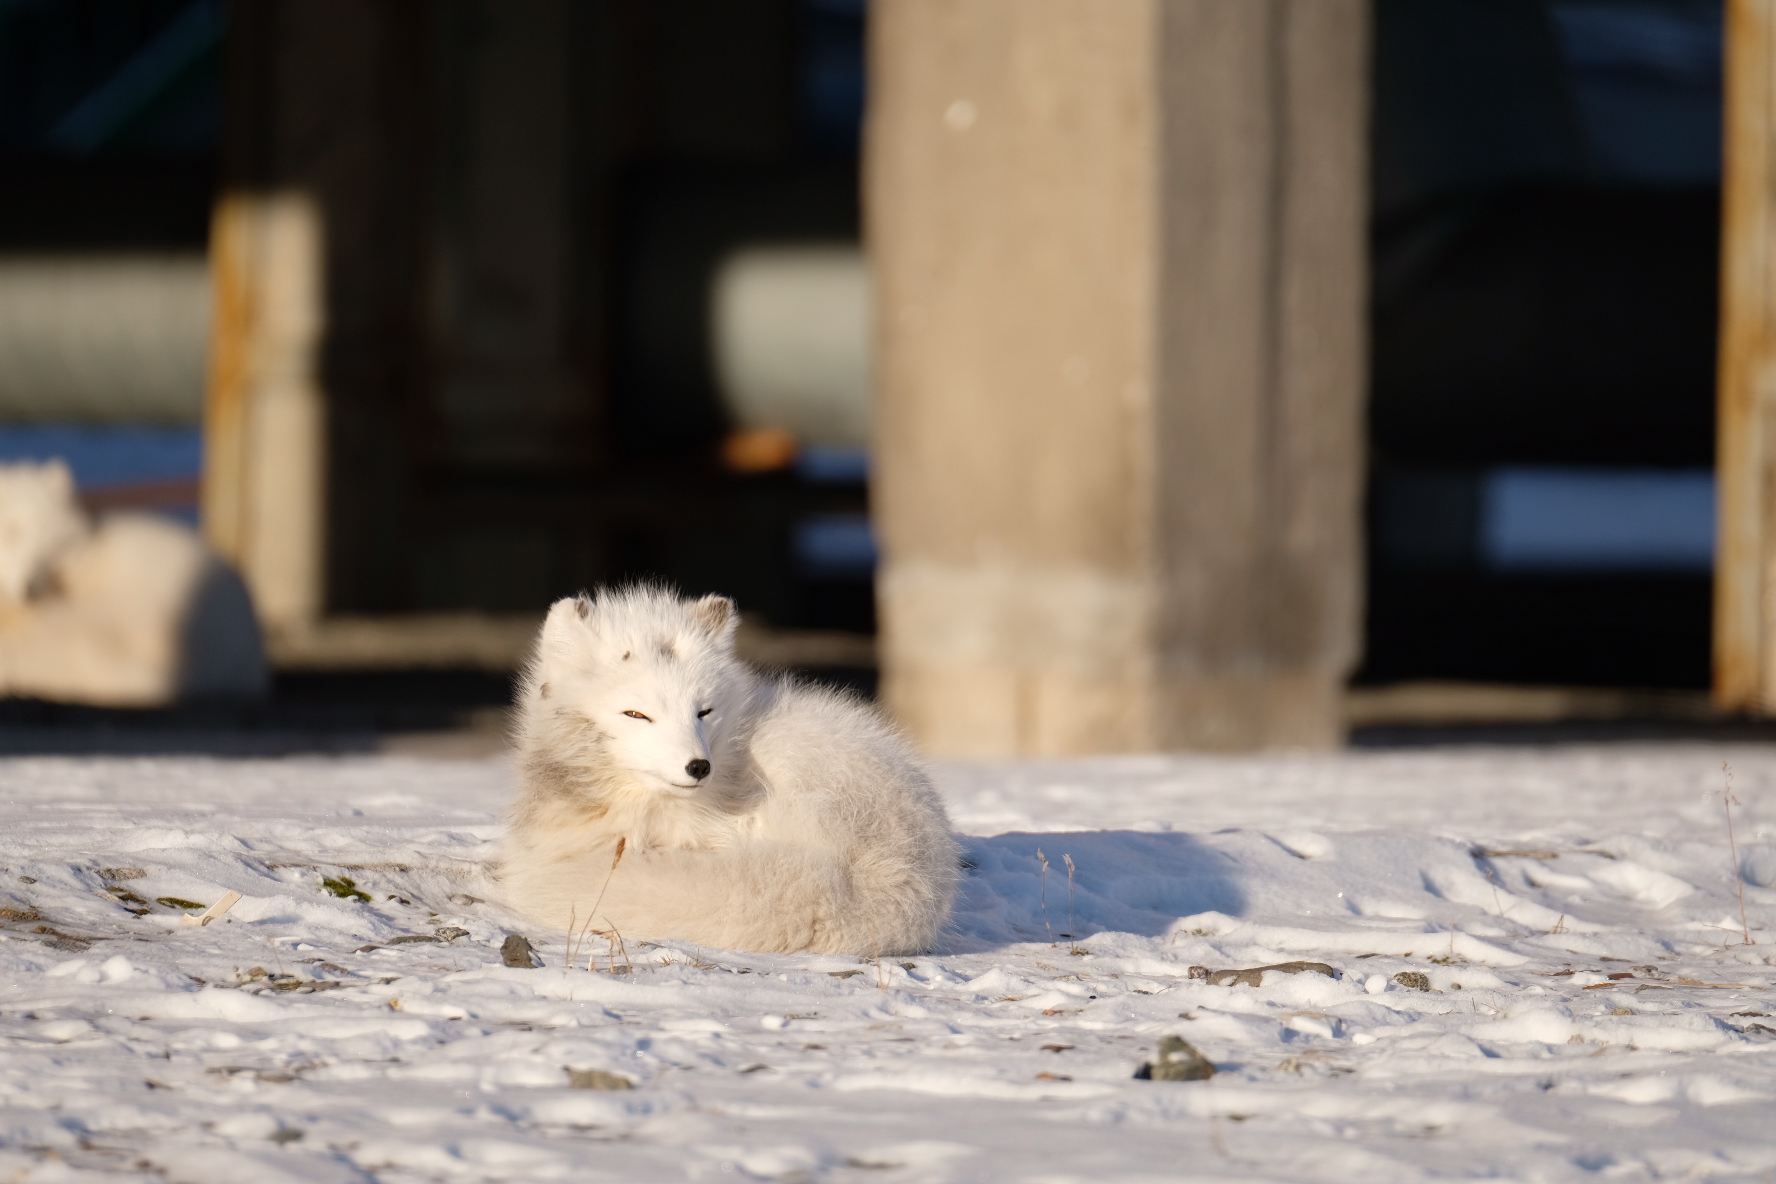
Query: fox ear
x=566 y=627
x=716 y=615
x=569 y=612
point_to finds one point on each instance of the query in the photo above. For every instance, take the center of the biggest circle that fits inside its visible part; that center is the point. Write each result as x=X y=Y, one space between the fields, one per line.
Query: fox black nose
x=698 y=769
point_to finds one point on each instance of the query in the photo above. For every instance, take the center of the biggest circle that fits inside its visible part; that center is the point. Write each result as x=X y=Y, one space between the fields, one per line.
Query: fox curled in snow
x=754 y=813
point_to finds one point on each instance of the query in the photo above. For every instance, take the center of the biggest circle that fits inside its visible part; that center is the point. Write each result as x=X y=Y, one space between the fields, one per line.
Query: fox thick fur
x=811 y=826
x=131 y=612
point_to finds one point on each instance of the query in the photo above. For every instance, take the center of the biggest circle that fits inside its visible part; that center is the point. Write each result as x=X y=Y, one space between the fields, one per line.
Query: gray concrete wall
x=1119 y=247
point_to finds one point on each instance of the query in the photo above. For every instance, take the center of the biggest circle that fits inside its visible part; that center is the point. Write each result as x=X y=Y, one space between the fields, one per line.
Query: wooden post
x=1119 y=248
x=264 y=424
x=1745 y=581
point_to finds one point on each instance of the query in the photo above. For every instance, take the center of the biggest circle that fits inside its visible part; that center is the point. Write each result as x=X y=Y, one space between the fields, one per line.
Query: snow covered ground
x=1592 y=1009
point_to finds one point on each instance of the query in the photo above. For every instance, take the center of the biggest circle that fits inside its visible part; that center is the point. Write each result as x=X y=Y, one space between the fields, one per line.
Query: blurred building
x=108 y=124
x=521 y=211
x=1212 y=353
x=516 y=214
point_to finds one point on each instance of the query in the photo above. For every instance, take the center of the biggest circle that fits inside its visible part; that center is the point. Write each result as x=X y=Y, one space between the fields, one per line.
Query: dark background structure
x=525 y=200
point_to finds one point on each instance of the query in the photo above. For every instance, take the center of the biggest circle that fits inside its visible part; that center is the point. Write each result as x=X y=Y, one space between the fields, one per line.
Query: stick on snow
x=228 y=901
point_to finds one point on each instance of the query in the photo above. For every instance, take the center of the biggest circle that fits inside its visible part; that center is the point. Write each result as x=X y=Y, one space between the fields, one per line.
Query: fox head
x=38 y=517
x=645 y=677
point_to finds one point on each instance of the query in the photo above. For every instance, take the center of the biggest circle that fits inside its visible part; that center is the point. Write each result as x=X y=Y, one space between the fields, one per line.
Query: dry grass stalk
x=622 y=845
x=574 y=945
x=1498 y=903
x=876 y=941
x=1728 y=801
x=576 y=935
x=1072 y=934
x=576 y=932
x=617 y=948
x=1043 y=899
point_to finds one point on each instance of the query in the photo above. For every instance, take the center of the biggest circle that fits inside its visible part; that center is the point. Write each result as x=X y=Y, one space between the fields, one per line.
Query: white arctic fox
x=135 y=612
x=755 y=813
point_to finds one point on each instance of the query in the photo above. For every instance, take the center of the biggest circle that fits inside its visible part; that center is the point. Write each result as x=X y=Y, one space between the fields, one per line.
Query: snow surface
x=299 y=1039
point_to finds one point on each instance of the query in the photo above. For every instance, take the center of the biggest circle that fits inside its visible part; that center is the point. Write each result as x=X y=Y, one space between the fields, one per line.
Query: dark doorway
x=1546 y=237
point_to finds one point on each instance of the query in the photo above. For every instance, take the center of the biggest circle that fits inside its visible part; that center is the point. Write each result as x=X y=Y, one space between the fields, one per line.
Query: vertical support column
x=264 y=426
x=1745 y=564
x=1119 y=248
x=1258 y=417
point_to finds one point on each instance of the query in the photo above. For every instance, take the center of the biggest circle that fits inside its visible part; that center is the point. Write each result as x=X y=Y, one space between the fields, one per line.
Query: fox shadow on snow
x=1124 y=881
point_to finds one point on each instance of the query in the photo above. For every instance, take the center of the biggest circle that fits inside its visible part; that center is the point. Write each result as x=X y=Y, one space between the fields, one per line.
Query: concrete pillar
x=1119 y=248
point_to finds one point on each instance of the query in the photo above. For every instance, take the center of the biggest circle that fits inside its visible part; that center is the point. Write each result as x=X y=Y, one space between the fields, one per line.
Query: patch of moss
x=344 y=888
x=174 y=902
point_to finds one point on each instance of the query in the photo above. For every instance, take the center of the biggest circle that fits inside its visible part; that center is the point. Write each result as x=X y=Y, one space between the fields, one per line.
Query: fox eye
x=637 y=715
x=704 y=712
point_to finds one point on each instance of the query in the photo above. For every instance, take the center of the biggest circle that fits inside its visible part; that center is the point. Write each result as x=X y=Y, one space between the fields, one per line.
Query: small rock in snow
x=451 y=932
x=1413 y=980
x=464 y=899
x=122 y=873
x=1177 y=1061
x=596 y=1079
x=516 y=951
x=1254 y=977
